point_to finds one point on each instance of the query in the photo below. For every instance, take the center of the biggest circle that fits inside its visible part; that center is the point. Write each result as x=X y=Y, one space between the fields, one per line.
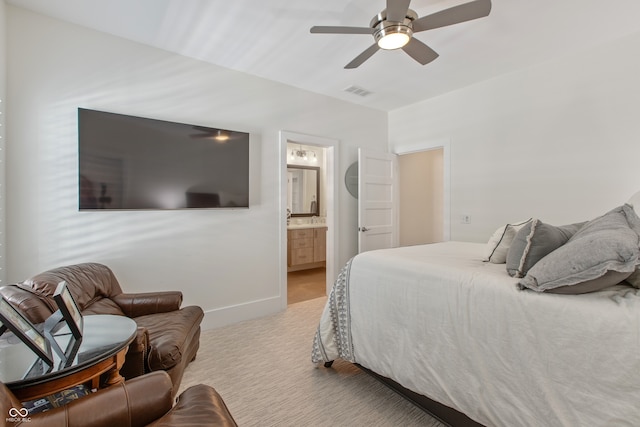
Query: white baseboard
x=224 y=316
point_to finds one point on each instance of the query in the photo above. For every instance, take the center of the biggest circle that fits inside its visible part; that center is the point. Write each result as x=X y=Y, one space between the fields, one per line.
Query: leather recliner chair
x=168 y=335
x=145 y=400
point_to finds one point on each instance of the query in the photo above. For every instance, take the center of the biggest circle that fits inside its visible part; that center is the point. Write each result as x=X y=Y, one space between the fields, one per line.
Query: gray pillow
x=634 y=279
x=610 y=278
x=607 y=243
x=533 y=242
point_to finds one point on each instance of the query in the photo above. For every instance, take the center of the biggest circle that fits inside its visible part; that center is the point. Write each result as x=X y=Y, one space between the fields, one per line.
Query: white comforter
x=441 y=322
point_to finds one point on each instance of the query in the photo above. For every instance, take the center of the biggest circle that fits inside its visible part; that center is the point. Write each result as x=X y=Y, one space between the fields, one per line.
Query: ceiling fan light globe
x=392 y=35
x=393 y=41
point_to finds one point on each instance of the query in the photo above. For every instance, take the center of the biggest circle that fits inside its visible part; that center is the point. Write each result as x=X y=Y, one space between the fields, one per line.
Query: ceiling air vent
x=356 y=90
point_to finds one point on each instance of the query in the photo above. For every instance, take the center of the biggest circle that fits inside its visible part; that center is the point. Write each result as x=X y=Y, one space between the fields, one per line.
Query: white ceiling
x=271 y=39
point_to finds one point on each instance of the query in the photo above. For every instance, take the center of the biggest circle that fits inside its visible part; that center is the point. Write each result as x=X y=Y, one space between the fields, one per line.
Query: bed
x=442 y=322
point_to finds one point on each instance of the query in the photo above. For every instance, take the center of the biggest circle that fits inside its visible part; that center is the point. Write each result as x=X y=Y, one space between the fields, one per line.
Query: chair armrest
x=136 y=357
x=140 y=304
x=136 y=402
x=198 y=405
x=34 y=307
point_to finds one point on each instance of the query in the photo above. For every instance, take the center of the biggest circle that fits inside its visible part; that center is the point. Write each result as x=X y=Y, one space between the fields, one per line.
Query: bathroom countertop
x=300 y=226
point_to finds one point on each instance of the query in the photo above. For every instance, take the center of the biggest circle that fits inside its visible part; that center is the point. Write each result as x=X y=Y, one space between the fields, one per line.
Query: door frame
x=445 y=144
x=331 y=149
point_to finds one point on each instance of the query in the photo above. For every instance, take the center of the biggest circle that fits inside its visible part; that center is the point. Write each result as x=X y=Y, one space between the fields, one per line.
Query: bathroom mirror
x=303 y=190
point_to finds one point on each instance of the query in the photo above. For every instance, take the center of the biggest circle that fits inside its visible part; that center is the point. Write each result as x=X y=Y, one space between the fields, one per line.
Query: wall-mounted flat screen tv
x=128 y=162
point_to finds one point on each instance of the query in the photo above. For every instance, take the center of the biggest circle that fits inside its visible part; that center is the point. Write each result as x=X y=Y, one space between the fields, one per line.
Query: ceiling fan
x=393 y=28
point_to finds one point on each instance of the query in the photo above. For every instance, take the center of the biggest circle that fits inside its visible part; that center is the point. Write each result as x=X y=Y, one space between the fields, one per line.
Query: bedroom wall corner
x=556 y=141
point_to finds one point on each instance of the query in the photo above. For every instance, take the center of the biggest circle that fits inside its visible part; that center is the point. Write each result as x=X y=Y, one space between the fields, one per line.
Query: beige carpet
x=263 y=370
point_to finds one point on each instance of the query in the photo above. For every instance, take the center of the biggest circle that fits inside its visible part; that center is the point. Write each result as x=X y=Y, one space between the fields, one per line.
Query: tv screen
x=128 y=162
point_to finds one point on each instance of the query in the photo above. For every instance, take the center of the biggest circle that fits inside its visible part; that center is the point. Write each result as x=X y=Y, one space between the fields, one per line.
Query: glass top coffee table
x=104 y=344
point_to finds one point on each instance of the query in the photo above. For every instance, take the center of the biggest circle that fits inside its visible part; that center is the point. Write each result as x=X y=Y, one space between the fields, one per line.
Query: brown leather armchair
x=145 y=400
x=168 y=335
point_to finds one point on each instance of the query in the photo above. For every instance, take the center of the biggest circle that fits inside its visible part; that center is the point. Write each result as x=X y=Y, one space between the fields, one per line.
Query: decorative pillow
x=534 y=241
x=607 y=243
x=500 y=241
x=610 y=278
x=634 y=279
x=635 y=202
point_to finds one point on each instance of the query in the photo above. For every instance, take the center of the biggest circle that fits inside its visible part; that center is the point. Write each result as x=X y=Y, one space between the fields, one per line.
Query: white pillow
x=500 y=241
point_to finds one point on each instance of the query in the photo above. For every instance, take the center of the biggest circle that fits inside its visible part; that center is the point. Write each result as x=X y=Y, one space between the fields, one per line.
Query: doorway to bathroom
x=304 y=285
x=306 y=222
x=308 y=207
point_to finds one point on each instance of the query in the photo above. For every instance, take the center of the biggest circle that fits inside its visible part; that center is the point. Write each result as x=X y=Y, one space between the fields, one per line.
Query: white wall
x=3 y=104
x=225 y=261
x=559 y=141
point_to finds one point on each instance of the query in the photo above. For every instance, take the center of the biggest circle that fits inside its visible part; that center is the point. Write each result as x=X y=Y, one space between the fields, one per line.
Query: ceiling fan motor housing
x=384 y=28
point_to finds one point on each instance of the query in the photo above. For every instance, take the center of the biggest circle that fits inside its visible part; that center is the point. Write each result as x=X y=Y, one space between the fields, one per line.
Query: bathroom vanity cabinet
x=306 y=248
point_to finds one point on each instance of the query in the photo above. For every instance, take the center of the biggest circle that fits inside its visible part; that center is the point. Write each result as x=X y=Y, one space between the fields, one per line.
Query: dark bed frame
x=442 y=413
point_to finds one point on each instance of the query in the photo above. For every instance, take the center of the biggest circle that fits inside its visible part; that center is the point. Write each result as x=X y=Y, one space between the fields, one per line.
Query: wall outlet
x=465 y=219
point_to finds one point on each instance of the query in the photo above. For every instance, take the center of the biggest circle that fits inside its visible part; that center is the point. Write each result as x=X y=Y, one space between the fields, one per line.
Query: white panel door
x=377 y=200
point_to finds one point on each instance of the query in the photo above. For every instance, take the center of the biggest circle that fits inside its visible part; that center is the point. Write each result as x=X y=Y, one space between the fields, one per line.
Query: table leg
x=113 y=376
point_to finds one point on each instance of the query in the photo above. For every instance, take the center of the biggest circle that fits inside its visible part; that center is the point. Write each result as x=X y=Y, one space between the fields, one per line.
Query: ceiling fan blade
x=341 y=30
x=397 y=10
x=454 y=15
x=363 y=57
x=420 y=51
